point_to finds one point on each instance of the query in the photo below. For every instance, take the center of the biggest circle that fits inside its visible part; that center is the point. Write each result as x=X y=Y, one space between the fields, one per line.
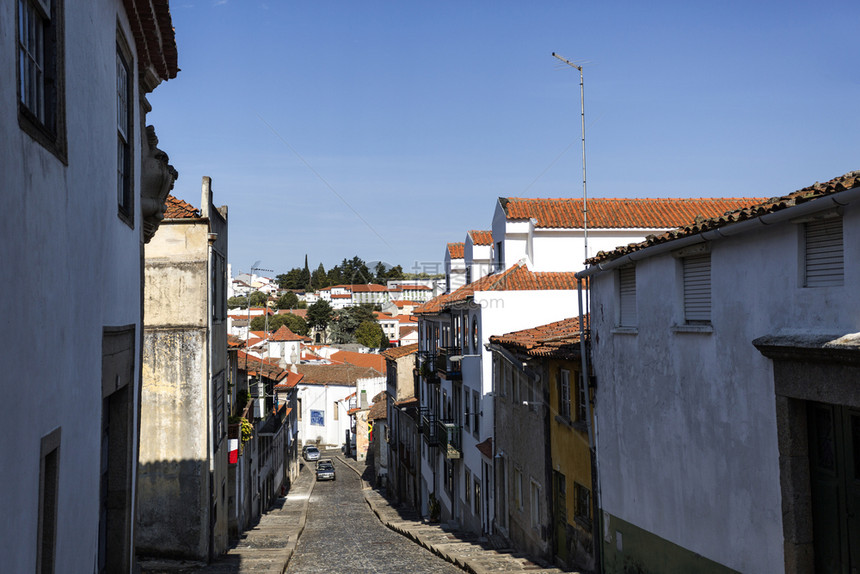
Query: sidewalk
x=462 y=549
x=266 y=548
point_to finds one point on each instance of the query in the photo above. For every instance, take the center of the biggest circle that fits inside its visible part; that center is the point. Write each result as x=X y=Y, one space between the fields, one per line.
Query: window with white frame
x=627 y=296
x=564 y=393
x=581 y=399
x=697 y=288
x=824 y=257
x=41 y=111
x=475 y=340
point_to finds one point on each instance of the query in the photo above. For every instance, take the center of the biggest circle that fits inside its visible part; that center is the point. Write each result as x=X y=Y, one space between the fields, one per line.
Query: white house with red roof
x=285 y=347
x=83 y=185
x=478 y=254
x=455 y=267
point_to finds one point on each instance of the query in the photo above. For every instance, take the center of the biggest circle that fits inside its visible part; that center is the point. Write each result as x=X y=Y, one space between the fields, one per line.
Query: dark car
x=311 y=453
x=325 y=470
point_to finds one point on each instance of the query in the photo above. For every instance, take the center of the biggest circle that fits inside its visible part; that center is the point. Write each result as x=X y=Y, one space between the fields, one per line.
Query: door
x=559 y=512
x=834 y=462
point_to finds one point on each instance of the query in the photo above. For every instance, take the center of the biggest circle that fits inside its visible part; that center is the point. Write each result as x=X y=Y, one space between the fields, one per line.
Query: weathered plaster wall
x=687 y=421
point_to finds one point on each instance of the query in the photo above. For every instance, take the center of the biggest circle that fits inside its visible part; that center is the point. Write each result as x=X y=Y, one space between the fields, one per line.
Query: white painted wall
x=323 y=397
x=687 y=435
x=65 y=253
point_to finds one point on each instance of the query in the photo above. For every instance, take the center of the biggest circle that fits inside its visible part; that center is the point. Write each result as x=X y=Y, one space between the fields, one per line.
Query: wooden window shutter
x=697 y=288
x=825 y=257
x=627 y=296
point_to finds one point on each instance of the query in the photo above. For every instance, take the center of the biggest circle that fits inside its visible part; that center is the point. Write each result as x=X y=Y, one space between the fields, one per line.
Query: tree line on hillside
x=350 y=271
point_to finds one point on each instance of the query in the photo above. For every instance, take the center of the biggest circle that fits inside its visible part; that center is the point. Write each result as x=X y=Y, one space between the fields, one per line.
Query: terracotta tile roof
x=395 y=353
x=253 y=366
x=405 y=331
x=372 y=360
x=455 y=250
x=303 y=313
x=285 y=334
x=369 y=288
x=604 y=213
x=335 y=374
x=486 y=448
x=234 y=342
x=752 y=210
x=481 y=237
x=154 y=37
x=379 y=410
x=401 y=304
x=407 y=319
x=516 y=278
x=559 y=339
x=178 y=209
x=291 y=381
x=410 y=402
x=415 y=288
x=351 y=412
x=345 y=296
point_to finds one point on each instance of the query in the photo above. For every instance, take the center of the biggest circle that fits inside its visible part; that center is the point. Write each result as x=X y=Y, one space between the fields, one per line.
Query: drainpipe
x=590 y=423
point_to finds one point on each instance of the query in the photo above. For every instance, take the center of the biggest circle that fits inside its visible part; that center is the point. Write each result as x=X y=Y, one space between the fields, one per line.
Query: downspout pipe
x=840 y=199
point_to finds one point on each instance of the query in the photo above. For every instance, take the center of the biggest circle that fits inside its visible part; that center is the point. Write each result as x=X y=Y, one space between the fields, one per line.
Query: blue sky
x=386 y=129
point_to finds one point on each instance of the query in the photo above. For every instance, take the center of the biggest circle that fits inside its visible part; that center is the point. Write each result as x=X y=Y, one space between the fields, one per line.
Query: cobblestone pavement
x=343 y=535
x=466 y=550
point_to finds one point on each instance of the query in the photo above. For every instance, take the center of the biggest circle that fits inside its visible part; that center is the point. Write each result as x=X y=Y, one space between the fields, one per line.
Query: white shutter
x=824 y=252
x=697 y=288
x=627 y=296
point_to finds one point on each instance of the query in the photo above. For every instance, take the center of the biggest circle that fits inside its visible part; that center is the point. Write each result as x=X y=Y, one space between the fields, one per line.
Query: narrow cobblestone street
x=343 y=535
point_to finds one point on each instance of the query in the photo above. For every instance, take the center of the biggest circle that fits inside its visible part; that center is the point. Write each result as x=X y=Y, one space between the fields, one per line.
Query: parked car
x=311 y=452
x=325 y=470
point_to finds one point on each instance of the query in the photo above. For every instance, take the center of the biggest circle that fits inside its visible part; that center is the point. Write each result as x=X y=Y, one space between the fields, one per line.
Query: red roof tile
x=455 y=250
x=410 y=402
x=620 y=213
x=372 y=360
x=559 y=339
x=481 y=237
x=178 y=209
x=395 y=353
x=284 y=334
x=516 y=278
x=752 y=210
x=254 y=365
x=335 y=374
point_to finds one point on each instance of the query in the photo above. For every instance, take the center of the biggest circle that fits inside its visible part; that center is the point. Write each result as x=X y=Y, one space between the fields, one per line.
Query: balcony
x=447 y=368
x=429 y=429
x=450 y=440
x=426 y=364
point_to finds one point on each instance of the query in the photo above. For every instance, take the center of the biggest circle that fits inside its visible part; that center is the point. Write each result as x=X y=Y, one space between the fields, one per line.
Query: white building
x=455 y=267
x=478 y=254
x=84 y=187
x=726 y=358
x=322 y=417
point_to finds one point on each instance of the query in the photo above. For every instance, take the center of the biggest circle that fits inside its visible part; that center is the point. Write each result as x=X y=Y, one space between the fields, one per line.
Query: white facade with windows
x=706 y=380
x=70 y=471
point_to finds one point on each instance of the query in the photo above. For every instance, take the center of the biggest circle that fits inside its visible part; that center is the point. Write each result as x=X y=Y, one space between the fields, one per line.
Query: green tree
x=288 y=301
x=319 y=315
x=306 y=275
x=258 y=299
x=370 y=334
x=238 y=301
x=258 y=323
x=319 y=278
x=355 y=271
x=293 y=322
x=343 y=328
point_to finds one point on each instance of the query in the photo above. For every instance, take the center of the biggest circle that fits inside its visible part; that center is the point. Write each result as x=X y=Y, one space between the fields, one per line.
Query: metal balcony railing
x=450 y=440
x=426 y=365
x=429 y=429
x=447 y=368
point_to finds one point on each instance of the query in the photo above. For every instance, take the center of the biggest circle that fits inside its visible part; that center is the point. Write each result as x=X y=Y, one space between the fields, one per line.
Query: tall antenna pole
x=582 y=121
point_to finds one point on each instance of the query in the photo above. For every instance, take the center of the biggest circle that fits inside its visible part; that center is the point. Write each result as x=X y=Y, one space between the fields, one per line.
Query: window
x=476 y=410
x=518 y=488
x=564 y=393
x=582 y=505
x=509 y=376
x=468 y=491
x=299 y=409
x=824 y=253
x=500 y=257
x=477 y=498
x=124 y=109
x=335 y=411
x=581 y=399
x=40 y=80
x=534 y=504
x=697 y=288
x=467 y=415
x=475 y=341
x=497 y=375
x=627 y=296
x=49 y=473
